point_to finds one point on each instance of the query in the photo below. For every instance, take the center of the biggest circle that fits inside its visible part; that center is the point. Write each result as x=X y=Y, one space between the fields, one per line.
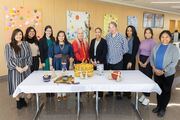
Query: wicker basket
x=83 y=68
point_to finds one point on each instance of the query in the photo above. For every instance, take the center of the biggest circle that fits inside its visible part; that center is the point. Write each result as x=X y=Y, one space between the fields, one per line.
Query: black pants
x=118 y=66
x=165 y=83
x=126 y=60
x=147 y=70
x=35 y=63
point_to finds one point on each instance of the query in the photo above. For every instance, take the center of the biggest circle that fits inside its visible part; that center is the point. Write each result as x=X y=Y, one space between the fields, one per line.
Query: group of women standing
x=116 y=52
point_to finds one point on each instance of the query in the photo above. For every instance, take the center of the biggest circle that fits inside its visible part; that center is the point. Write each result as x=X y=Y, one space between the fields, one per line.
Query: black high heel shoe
x=161 y=113
x=50 y=94
x=156 y=110
x=23 y=102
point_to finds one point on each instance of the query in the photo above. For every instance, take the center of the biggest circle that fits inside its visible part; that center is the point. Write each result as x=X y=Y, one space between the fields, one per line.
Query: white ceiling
x=170 y=6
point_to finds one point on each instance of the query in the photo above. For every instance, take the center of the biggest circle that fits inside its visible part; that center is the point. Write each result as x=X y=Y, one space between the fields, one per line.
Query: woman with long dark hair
x=31 y=38
x=45 y=45
x=61 y=51
x=129 y=59
x=61 y=56
x=19 y=61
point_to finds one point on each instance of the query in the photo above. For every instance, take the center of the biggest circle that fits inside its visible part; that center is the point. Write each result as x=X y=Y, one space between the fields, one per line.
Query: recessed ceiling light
x=166 y=2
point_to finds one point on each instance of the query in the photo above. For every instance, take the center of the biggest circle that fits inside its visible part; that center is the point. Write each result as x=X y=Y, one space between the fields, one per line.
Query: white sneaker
x=59 y=94
x=94 y=96
x=141 y=99
x=146 y=101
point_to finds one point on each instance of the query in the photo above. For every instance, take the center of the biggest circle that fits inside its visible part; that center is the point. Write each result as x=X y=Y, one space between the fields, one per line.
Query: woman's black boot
x=18 y=104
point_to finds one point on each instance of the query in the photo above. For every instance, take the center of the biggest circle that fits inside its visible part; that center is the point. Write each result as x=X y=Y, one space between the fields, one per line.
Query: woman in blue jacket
x=164 y=59
x=61 y=56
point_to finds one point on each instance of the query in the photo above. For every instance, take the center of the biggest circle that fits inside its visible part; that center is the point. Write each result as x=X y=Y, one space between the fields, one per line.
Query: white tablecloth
x=132 y=81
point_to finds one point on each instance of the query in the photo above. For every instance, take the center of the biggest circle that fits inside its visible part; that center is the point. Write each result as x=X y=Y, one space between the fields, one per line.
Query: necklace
x=61 y=46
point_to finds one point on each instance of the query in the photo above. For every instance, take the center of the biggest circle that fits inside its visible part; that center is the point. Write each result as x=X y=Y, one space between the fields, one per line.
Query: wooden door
x=172 y=24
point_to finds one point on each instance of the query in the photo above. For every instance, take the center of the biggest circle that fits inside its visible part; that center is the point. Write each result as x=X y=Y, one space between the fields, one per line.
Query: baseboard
x=4 y=77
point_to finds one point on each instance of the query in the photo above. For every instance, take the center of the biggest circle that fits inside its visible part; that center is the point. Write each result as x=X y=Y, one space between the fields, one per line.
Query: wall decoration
x=22 y=18
x=148 y=20
x=107 y=19
x=132 y=20
x=76 y=20
x=159 y=20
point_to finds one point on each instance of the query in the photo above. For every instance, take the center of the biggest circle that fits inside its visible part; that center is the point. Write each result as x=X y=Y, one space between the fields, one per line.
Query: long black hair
x=65 y=38
x=44 y=36
x=32 y=40
x=134 y=32
x=14 y=43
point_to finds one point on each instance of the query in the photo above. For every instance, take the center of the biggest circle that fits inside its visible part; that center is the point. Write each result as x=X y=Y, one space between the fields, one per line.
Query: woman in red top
x=80 y=48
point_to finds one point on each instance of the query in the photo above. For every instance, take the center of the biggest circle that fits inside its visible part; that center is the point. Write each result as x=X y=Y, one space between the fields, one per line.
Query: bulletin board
x=21 y=17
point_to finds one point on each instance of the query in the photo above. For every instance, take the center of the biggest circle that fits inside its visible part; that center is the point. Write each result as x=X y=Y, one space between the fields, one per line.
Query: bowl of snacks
x=65 y=78
x=46 y=78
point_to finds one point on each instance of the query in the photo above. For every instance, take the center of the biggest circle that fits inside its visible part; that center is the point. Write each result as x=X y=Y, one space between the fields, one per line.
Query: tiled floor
x=110 y=108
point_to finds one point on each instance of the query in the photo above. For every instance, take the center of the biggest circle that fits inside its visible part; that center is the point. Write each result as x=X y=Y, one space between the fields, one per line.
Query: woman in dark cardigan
x=129 y=59
x=98 y=51
x=45 y=45
x=98 y=48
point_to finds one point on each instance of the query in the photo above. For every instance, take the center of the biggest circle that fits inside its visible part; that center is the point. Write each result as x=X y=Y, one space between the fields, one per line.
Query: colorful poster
x=159 y=20
x=22 y=18
x=76 y=20
x=107 y=19
x=132 y=20
x=148 y=20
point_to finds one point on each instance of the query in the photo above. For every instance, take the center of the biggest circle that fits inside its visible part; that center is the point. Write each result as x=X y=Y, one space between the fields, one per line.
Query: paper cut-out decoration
x=21 y=17
x=75 y=20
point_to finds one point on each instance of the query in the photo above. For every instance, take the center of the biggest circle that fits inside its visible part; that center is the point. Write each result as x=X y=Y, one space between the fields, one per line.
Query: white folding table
x=132 y=81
